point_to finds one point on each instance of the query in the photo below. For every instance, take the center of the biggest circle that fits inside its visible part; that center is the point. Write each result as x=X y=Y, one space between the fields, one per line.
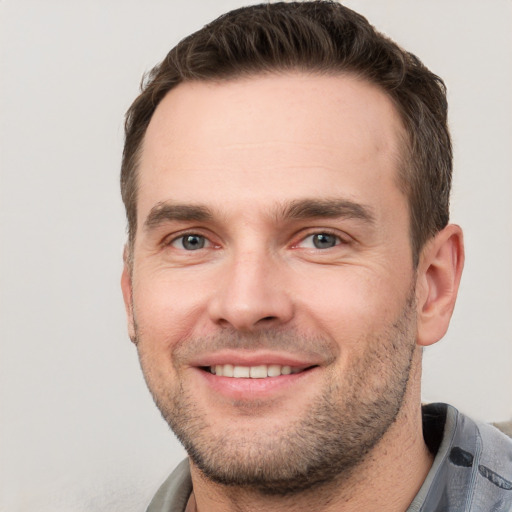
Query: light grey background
x=78 y=429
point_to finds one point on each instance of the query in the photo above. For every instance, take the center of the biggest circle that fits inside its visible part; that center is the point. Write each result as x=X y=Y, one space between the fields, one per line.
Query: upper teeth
x=252 y=372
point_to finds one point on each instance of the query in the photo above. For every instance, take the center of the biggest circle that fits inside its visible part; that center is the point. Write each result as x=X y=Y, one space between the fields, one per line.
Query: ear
x=438 y=278
x=126 y=287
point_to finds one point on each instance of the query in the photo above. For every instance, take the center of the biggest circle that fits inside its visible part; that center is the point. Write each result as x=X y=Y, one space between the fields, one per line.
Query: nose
x=252 y=293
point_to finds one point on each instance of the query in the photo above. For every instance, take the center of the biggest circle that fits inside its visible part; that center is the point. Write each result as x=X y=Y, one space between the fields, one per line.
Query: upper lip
x=248 y=358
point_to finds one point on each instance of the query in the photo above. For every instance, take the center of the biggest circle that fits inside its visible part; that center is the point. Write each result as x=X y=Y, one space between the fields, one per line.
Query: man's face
x=272 y=288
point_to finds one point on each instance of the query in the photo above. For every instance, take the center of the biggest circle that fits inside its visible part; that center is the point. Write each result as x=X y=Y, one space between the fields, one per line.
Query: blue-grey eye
x=191 y=242
x=324 y=240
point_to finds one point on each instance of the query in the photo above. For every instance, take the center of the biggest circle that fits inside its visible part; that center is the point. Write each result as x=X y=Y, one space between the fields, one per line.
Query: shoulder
x=495 y=462
x=488 y=452
x=472 y=469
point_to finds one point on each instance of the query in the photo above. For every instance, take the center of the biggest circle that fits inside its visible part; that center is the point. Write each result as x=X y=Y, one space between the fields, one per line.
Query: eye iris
x=324 y=241
x=193 y=242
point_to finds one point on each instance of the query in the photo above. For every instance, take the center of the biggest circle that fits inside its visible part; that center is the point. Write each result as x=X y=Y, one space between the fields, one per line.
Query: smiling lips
x=246 y=378
x=253 y=372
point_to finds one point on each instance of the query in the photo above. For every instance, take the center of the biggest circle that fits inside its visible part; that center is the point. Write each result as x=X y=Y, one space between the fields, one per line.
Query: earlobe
x=126 y=287
x=438 y=279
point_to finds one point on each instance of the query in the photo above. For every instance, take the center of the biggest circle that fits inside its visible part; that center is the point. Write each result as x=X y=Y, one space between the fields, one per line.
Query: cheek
x=352 y=303
x=166 y=310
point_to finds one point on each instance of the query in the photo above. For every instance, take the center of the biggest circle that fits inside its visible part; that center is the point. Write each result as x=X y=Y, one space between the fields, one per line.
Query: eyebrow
x=168 y=212
x=300 y=209
x=327 y=208
x=295 y=210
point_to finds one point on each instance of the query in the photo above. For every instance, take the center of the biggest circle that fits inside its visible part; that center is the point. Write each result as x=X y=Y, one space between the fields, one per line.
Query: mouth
x=249 y=377
x=262 y=371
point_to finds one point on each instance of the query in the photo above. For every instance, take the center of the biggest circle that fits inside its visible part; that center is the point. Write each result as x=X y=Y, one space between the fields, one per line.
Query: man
x=286 y=177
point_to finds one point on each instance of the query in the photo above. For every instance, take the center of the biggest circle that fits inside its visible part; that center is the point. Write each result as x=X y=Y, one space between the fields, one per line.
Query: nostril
x=267 y=321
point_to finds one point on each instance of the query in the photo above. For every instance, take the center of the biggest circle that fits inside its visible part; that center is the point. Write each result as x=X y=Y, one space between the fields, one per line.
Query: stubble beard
x=326 y=444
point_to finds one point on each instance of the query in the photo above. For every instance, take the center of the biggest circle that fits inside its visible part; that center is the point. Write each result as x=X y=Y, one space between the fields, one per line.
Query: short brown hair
x=315 y=36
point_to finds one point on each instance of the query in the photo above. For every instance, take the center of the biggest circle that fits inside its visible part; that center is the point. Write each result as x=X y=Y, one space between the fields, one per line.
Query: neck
x=386 y=480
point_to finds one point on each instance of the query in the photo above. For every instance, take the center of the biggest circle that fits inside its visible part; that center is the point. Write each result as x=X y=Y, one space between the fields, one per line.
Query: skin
x=241 y=164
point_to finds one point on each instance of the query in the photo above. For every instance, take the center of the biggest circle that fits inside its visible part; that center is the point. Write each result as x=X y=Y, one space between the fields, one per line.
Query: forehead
x=270 y=138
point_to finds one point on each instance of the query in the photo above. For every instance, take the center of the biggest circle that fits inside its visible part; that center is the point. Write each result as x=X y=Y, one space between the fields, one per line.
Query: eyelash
x=184 y=236
x=339 y=240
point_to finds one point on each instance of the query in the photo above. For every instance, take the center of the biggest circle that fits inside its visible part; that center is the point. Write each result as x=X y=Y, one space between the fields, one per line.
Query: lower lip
x=247 y=389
